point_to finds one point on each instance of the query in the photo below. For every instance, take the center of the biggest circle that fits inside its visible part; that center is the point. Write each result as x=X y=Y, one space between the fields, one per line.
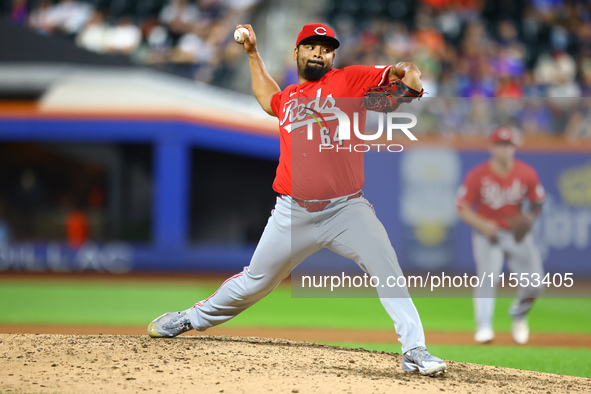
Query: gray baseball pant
x=522 y=257
x=347 y=227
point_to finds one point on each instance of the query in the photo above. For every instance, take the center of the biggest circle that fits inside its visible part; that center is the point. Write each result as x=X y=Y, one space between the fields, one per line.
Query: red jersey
x=497 y=197
x=308 y=117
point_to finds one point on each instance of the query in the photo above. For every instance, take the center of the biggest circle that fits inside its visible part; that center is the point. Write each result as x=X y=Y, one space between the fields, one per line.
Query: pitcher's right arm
x=263 y=85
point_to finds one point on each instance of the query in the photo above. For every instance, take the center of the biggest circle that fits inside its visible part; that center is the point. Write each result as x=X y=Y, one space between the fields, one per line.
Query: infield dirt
x=57 y=363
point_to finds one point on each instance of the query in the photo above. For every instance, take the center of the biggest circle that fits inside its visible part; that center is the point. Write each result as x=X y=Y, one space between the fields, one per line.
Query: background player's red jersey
x=304 y=171
x=498 y=197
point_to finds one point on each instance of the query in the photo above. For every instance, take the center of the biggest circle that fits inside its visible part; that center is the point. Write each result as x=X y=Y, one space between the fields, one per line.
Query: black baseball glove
x=519 y=225
x=387 y=98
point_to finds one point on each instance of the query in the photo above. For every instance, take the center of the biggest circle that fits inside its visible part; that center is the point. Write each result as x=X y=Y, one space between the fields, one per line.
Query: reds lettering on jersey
x=306 y=114
x=496 y=197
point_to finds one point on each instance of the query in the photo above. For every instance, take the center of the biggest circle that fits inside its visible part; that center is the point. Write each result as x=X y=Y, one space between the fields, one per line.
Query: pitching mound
x=200 y=364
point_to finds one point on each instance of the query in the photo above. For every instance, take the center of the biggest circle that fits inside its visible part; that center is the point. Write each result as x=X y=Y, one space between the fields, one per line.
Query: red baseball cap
x=318 y=31
x=502 y=134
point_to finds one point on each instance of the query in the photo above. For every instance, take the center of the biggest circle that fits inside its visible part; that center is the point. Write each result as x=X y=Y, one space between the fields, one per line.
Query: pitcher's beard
x=314 y=73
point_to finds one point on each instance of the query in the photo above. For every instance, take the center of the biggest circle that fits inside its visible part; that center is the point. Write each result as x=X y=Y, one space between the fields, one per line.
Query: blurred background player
x=497 y=189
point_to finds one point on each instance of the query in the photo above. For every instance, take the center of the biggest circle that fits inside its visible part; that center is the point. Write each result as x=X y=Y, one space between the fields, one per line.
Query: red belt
x=319 y=205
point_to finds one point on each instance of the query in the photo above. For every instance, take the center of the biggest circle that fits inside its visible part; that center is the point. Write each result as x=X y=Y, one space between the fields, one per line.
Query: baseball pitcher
x=319 y=203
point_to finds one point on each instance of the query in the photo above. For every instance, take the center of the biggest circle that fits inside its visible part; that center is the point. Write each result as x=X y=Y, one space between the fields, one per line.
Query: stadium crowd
x=466 y=48
x=185 y=37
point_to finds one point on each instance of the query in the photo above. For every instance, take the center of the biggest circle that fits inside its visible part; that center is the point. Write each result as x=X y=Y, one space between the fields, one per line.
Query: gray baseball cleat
x=419 y=359
x=170 y=325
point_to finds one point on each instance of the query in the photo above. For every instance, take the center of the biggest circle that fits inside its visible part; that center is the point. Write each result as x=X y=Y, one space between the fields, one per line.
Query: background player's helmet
x=503 y=134
x=318 y=31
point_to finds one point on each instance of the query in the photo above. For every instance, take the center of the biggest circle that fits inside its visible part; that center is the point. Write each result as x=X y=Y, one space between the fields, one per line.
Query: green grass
x=136 y=303
x=92 y=303
x=574 y=362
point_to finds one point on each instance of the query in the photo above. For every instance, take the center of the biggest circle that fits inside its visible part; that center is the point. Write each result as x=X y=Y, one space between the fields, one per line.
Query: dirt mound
x=570 y=340
x=208 y=364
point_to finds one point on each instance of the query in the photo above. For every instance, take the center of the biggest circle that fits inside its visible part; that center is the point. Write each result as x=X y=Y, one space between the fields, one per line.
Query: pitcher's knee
x=260 y=284
x=373 y=251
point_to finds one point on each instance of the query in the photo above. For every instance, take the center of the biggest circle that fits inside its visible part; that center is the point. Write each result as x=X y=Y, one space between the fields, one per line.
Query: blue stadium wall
x=397 y=184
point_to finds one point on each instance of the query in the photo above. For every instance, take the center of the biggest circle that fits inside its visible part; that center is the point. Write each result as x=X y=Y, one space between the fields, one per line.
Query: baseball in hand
x=239 y=34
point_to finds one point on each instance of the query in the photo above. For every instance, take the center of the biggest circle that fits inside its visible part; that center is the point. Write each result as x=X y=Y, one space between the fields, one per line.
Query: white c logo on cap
x=321 y=31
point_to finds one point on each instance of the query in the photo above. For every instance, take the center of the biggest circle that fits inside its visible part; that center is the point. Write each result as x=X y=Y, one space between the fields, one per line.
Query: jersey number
x=325 y=137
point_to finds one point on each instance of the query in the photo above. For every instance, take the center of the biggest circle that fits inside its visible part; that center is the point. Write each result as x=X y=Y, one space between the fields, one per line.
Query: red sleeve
x=468 y=192
x=276 y=103
x=360 y=78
